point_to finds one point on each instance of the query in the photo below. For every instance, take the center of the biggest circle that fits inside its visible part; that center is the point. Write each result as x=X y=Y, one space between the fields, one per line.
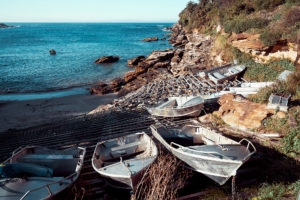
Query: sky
x=91 y=10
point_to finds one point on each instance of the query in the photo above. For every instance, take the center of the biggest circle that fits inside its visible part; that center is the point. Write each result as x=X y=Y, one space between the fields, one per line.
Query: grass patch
x=291 y=143
x=274 y=124
x=261 y=72
x=242 y=25
x=277 y=191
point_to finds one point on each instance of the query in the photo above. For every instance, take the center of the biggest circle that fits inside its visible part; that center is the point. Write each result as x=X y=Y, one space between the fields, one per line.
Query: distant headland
x=2 y=25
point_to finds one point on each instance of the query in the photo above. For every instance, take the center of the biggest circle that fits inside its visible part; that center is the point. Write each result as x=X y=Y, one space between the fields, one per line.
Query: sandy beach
x=24 y=114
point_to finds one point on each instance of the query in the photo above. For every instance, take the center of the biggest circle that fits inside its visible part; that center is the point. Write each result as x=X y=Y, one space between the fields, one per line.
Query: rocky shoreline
x=191 y=52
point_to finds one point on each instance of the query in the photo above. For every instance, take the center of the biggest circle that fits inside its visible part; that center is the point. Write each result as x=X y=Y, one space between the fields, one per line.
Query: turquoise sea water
x=26 y=66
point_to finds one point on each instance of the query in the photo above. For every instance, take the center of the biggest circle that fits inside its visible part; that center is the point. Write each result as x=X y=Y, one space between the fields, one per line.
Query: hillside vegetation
x=273 y=19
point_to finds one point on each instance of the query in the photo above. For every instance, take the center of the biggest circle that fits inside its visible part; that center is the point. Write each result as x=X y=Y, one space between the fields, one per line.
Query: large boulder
x=129 y=76
x=241 y=113
x=107 y=59
x=150 y=39
x=158 y=58
x=117 y=82
x=135 y=61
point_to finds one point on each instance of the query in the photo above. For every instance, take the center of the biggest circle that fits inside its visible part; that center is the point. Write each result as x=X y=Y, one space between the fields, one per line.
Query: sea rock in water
x=107 y=59
x=150 y=39
x=163 y=38
x=135 y=61
x=52 y=52
x=241 y=113
x=101 y=88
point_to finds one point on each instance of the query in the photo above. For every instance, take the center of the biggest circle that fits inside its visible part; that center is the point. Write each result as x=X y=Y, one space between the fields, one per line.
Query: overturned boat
x=222 y=73
x=39 y=173
x=205 y=151
x=124 y=160
x=178 y=107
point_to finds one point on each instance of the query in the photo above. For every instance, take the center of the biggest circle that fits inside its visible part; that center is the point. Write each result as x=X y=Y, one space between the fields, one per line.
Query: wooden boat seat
x=47 y=156
x=218 y=75
x=234 y=70
x=126 y=146
x=125 y=157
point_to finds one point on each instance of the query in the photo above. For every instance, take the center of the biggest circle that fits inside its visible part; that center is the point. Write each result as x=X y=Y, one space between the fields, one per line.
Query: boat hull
x=216 y=167
x=125 y=183
x=192 y=111
x=123 y=161
x=217 y=170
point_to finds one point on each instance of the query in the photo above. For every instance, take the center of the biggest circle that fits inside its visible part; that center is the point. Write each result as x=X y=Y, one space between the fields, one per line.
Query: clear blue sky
x=90 y=10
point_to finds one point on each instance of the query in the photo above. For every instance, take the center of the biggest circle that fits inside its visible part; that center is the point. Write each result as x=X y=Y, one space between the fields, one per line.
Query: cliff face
x=194 y=51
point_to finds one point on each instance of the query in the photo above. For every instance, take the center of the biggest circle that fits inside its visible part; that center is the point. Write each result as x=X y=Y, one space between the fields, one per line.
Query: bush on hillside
x=270 y=37
x=242 y=25
x=267 y=4
x=291 y=17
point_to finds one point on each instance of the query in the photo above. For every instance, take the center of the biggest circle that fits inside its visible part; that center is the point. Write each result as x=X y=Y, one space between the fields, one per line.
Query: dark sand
x=24 y=114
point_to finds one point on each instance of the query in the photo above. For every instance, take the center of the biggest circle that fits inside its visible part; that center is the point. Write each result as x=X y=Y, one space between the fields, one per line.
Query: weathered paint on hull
x=219 y=171
x=192 y=111
x=129 y=183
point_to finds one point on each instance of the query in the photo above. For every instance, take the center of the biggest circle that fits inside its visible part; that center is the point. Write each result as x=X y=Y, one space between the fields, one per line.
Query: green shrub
x=270 y=37
x=291 y=17
x=277 y=191
x=241 y=25
x=267 y=4
x=291 y=142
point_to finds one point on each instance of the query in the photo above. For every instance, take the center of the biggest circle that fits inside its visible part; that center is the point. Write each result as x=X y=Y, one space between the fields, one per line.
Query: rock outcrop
x=101 y=88
x=107 y=59
x=150 y=39
x=247 y=42
x=52 y=52
x=241 y=113
x=135 y=61
x=193 y=52
x=250 y=43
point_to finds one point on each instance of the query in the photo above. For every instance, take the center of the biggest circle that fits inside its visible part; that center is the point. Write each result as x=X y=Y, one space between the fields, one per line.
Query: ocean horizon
x=27 y=69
